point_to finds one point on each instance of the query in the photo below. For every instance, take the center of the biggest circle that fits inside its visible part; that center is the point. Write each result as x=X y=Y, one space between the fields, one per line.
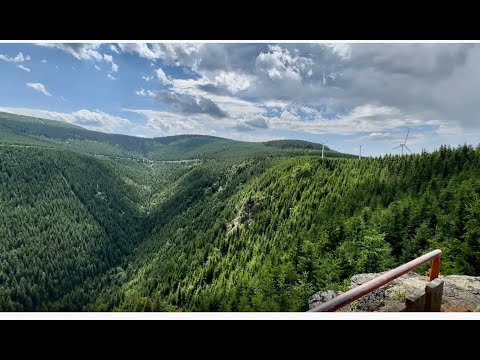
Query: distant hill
x=23 y=129
x=295 y=144
x=102 y=222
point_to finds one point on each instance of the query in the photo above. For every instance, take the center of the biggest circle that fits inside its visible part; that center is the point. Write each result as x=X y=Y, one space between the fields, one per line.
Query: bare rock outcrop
x=461 y=293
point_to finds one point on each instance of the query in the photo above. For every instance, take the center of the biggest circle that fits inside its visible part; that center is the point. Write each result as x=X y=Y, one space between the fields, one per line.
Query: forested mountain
x=100 y=222
x=18 y=129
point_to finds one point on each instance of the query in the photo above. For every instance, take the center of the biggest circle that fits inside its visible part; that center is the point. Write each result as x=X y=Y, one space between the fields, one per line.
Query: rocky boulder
x=461 y=293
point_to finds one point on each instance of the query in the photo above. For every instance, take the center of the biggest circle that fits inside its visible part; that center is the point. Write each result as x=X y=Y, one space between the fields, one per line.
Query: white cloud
x=344 y=51
x=113 y=48
x=111 y=77
x=109 y=59
x=162 y=77
x=97 y=67
x=232 y=81
x=21 y=58
x=279 y=64
x=86 y=52
x=362 y=119
x=379 y=136
x=368 y=91
x=17 y=59
x=24 y=68
x=172 y=54
x=184 y=54
x=166 y=123
x=44 y=61
x=39 y=87
x=78 y=51
x=142 y=49
x=148 y=93
x=236 y=107
x=93 y=120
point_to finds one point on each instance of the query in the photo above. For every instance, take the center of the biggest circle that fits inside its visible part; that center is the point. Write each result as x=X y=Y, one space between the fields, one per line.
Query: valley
x=101 y=222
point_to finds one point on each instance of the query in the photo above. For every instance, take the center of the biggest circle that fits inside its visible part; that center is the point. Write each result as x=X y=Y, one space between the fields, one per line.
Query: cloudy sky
x=347 y=94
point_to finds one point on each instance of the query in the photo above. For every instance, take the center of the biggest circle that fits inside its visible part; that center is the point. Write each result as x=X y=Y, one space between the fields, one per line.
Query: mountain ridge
x=204 y=225
x=30 y=126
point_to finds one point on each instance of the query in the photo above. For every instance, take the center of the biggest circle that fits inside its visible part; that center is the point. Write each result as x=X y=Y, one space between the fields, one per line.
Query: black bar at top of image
x=241 y=21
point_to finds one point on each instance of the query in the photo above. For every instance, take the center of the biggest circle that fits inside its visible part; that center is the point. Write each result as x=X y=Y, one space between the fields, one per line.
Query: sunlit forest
x=100 y=222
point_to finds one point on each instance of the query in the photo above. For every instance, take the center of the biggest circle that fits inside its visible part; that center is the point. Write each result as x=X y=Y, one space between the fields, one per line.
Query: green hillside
x=18 y=129
x=279 y=231
x=295 y=144
x=100 y=222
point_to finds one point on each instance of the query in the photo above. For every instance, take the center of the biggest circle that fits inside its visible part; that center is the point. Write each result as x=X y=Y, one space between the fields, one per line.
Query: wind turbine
x=404 y=144
x=360 y=154
x=323 y=146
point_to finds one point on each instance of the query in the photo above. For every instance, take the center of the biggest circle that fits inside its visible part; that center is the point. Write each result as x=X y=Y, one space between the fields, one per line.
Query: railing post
x=433 y=295
x=415 y=303
x=435 y=270
x=383 y=279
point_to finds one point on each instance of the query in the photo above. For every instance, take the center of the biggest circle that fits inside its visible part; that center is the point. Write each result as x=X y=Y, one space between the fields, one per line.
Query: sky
x=353 y=94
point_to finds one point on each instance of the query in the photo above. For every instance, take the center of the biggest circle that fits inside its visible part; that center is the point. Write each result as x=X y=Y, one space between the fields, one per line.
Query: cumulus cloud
x=143 y=92
x=378 y=136
x=258 y=123
x=81 y=51
x=368 y=90
x=24 y=68
x=279 y=64
x=141 y=49
x=225 y=83
x=148 y=93
x=17 y=59
x=113 y=48
x=242 y=127
x=162 y=77
x=39 y=87
x=237 y=107
x=109 y=59
x=189 y=104
x=173 y=54
x=165 y=123
x=78 y=51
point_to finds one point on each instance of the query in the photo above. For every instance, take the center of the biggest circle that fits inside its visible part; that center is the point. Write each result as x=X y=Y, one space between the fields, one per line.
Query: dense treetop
x=92 y=221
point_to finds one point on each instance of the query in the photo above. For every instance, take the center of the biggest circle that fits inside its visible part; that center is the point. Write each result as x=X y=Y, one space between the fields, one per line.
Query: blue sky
x=346 y=94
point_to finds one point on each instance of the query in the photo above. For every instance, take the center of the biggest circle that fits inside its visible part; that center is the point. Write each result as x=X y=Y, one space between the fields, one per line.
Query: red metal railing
x=364 y=289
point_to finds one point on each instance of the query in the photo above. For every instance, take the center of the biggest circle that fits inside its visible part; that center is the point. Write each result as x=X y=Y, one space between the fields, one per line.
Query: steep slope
x=268 y=233
x=59 y=133
x=64 y=218
x=89 y=221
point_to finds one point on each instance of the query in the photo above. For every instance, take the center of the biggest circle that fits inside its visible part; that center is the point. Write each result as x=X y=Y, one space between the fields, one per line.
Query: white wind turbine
x=404 y=144
x=323 y=146
x=360 y=153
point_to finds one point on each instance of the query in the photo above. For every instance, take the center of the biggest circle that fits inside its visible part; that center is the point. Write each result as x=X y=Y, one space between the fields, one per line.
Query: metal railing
x=381 y=280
